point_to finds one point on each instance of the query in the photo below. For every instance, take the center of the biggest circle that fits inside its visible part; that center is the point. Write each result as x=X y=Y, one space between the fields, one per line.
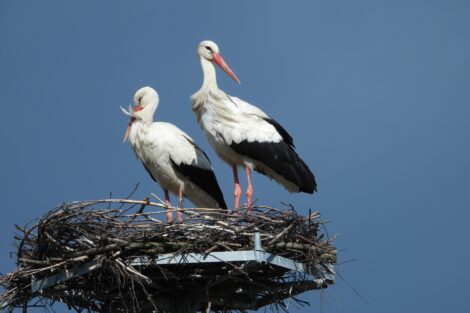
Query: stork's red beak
x=220 y=62
x=137 y=108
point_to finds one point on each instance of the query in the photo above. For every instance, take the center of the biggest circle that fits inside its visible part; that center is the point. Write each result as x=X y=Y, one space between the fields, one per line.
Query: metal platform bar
x=237 y=256
x=41 y=284
x=324 y=272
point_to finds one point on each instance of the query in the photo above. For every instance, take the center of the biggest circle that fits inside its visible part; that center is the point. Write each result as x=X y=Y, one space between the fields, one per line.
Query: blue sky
x=375 y=93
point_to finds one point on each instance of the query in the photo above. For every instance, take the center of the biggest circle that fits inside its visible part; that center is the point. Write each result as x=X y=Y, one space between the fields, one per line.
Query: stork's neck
x=209 y=88
x=145 y=119
x=210 y=78
x=145 y=116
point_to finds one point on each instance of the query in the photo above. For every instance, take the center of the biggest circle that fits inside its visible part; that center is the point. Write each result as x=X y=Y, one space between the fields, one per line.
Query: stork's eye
x=140 y=99
x=209 y=48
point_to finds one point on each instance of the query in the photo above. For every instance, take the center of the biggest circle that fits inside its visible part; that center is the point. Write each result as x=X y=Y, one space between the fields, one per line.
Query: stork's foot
x=249 y=203
x=180 y=205
x=235 y=211
x=180 y=216
x=169 y=215
x=236 y=201
x=249 y=192
x=237 y=192
x=180 y=213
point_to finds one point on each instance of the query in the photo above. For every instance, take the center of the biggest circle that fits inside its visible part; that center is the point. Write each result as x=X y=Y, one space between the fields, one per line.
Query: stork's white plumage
x=243 y=135
x=170 y=156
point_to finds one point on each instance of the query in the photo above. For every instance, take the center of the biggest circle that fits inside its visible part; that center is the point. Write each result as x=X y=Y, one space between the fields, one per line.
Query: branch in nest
x=96 y=230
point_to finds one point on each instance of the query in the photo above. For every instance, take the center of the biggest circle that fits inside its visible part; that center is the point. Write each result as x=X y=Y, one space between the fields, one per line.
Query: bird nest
x=100 y=241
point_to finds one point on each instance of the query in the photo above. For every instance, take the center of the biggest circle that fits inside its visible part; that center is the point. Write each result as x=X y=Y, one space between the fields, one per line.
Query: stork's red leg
x=238 y=190
x=169 y=215
x=249 y=190
x=180 y=204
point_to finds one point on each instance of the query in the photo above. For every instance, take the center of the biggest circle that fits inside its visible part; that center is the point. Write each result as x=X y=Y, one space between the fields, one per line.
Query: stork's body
x=171 y=157
x=243 y=135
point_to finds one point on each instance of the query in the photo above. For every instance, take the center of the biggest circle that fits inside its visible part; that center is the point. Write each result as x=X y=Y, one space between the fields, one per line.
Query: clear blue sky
x=375 y=93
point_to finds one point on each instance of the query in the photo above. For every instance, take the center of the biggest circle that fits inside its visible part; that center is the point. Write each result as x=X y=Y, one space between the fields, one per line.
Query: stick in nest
x=75 y=232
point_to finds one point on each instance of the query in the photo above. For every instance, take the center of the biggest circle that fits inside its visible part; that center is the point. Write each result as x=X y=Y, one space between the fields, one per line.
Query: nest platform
x=120 y=255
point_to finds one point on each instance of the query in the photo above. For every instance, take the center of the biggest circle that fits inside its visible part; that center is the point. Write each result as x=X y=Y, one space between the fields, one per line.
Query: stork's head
x=146 y=97
x=145 y=103
x=209 y=50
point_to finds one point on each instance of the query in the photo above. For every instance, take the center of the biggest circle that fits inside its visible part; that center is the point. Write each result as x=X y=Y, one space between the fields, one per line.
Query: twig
x=116 y=240
x=278 y=236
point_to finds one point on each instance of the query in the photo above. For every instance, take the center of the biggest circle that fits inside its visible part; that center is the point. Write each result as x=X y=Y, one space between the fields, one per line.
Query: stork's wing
x=197 y=168
x=281 y=130
x=266 y=141
x=203 y=178
x=148 y=171
x=281 y=159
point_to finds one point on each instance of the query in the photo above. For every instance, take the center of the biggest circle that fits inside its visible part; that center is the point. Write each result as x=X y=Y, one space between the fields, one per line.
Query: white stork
x=243 y=135
x=170 y=156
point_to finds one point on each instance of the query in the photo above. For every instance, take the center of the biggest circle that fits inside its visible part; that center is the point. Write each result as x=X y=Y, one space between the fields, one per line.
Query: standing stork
x=170 y=156
x=243 y=135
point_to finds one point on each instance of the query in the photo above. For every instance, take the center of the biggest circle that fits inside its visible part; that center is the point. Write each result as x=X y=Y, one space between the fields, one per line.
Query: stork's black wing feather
x=197 y=147
x=150 y=173
x=204 y=179
x=280 y=157
x=282 y=131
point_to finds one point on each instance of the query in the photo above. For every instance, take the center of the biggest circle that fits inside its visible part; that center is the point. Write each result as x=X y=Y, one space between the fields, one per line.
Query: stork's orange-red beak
x=136 y=108
x=217 y=58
